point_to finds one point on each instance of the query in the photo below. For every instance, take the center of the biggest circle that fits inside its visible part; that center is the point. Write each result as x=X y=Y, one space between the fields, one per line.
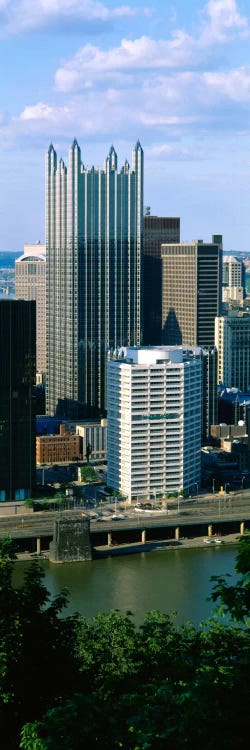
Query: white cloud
x=223 y=19
x=234 y=85
x=18 y=16
x=181 y=50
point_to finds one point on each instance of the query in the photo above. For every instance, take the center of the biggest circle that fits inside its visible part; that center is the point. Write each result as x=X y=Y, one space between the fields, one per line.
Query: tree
x=234 y=600
x=35 y=667
x=106 y=683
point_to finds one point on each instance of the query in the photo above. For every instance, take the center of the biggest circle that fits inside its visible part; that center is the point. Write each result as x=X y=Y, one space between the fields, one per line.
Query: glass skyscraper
x=94 y=238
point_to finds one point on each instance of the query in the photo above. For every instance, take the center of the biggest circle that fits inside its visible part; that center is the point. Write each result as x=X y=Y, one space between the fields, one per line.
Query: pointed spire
x=112 y=158
x=75 y=144
x=138 y=145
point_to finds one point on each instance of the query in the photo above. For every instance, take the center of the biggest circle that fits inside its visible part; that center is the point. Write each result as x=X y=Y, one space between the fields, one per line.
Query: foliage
x=235 y=600
x=70 y=684
x=88 y=474
x=35 y=665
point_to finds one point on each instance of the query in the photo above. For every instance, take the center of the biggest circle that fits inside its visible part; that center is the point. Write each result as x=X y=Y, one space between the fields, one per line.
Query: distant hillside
x=7 y=260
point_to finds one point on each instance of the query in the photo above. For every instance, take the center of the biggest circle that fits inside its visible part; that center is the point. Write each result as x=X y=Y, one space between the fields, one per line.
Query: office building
x=232 y=339
x=233 y=280
x=191 y=291
x=17 y=403
x=154 y=421
x=94 y=436
x=30 y=284
x=158 y=230
x=94 y=245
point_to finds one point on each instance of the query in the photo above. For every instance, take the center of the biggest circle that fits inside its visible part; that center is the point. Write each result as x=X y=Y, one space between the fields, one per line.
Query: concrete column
x=109 y=539
x=210 y=530
x=38 y=545
x=177 y=533
x=242 y=528
x=143 y=536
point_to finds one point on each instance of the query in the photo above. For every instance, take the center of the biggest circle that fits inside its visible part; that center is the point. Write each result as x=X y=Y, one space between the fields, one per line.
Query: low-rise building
x=51 y=449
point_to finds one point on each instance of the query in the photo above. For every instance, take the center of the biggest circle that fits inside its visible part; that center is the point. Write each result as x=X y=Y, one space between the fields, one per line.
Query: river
x=167 y=580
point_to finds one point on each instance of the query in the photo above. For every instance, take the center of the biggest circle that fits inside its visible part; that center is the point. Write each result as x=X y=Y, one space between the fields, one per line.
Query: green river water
x=167 y=580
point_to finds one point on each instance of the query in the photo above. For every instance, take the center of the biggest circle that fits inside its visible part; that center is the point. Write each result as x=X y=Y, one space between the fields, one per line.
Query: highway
x=207 y=511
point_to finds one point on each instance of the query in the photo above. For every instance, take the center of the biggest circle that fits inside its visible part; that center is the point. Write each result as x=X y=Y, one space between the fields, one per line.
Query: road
x=213 y=511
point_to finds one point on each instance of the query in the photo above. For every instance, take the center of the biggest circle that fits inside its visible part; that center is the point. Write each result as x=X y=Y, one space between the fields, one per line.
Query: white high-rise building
x=154 y=421
x=232 y=280
x=232 y=339
x=30 y=284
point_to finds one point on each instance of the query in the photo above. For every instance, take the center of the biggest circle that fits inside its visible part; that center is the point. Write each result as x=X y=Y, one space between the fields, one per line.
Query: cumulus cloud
x=18 y=16
x=221 y=21
x=224 y=19
x=146 y=87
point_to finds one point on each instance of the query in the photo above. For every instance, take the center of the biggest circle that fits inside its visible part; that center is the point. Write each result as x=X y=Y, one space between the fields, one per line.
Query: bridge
x=34 y=532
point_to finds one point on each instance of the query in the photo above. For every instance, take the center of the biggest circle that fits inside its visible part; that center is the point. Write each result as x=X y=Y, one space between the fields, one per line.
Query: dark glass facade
x=157 y=230
x=17 y=402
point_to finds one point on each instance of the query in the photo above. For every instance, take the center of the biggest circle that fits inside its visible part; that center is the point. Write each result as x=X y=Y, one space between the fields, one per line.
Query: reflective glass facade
x=94 y=238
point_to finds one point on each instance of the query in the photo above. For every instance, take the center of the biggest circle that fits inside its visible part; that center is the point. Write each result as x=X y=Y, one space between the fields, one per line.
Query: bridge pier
x=242 y=527
x=38 y=545
x=109 y=539
x=143 y=536
x=177 y=533
x=210 y=530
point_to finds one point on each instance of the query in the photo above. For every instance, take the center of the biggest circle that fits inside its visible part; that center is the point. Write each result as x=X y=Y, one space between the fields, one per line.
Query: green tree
x=106 y=683
x=234 y=600
x=35 y=665
x=88 y=474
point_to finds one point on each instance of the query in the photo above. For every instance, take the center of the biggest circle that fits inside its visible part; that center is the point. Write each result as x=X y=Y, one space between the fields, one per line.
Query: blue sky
x=173 y=73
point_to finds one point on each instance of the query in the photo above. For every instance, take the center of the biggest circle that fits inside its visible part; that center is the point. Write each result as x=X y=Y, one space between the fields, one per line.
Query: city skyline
x=176 y=77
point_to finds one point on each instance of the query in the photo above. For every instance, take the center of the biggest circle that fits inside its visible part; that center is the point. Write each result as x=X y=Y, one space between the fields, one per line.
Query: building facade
x=233 y=280
x=158 y=230
x=30 y=284
x=60 y=448
x=94 y=245
x=94 y=435
x=154 y=421
x=232 y=339
x=17 y=402
x=191 y=292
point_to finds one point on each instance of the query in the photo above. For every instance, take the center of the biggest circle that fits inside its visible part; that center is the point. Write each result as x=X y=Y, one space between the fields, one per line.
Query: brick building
x=60 y=448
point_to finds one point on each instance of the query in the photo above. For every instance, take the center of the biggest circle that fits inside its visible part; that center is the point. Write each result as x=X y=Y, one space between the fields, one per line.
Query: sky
x=173 y=73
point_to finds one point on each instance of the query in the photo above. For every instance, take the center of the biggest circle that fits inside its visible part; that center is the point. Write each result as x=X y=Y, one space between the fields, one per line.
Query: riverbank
x=137 y=547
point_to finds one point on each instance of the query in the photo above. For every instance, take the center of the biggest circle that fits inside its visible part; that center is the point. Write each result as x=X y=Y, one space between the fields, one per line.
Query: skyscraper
x=30 y=284
x=94 y=244
x=158 y=230
x=232 y=338
x=191 y=291
x=17 y=402
x=233 y=280
x=154 y=421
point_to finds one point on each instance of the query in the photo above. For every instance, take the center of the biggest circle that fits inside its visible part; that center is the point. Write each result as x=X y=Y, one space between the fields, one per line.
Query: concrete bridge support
x=38 y=545
x=177 y=533
x=109 y=539
x=143 y=536
x=242 y=528
x=210 y=530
